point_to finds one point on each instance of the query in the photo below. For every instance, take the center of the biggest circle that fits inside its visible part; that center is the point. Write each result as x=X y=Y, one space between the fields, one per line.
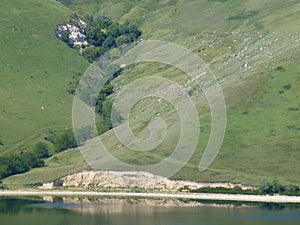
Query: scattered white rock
x=47 y=186
x=76 y=33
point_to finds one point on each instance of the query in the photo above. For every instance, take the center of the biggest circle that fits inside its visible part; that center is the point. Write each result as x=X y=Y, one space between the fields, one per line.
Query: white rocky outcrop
x=129 y=179
x=76 y=33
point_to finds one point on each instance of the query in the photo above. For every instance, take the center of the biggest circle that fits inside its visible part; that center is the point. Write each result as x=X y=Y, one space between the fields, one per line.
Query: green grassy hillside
x=251 y=46
x=36 y=69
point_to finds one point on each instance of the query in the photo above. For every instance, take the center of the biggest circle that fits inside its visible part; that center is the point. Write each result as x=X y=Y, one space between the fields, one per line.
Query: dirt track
x=200 y=196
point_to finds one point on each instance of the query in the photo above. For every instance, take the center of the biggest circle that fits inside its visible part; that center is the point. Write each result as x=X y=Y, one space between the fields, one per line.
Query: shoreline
x=198 y=196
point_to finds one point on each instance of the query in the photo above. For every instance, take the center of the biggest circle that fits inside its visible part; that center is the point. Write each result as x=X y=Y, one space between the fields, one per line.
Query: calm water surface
x=106 y=211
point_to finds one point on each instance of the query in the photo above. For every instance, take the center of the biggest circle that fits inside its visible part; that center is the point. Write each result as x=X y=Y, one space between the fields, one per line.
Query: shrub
x=65 y=37
x=65 y=141
x=270 y=188
x=41 y=150
x=242 y=16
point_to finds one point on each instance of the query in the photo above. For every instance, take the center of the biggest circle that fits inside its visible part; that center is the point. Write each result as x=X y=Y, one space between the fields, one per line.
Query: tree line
x=103 y=34
x=24 y=161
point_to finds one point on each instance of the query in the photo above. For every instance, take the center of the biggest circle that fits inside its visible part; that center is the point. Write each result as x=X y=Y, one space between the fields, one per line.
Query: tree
x=41 y=150
x=274 y=187
x=3 y=170
x=293 y=190
x=91 y=53
x=103 y=32
x=15 y=164
x=113 y=30
x=107 y=89
x=65 y=141
x=32 y=161
x=265 y=186
x=109 y=42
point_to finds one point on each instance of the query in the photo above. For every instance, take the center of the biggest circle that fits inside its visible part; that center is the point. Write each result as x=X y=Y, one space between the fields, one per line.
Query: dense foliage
x=64 y=141
x=103 y=34
x=274 y=187
x=242 y=16
x=221 y=190
x=24 y=161
x=103 y=109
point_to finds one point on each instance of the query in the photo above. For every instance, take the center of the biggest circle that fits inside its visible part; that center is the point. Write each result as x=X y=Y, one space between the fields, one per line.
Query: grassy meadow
x=36 y=69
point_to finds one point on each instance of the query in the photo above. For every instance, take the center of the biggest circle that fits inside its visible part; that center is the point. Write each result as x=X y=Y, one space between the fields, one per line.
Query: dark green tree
x=109 y=42
x=15 y=164
x=41 y=150
x=31 y=160
x=65 y=141
x=3 y=170
x=103 y=32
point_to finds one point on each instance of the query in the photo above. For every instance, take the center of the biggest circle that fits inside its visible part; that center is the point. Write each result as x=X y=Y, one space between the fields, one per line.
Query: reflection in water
x=15 y=205
x=108 y=211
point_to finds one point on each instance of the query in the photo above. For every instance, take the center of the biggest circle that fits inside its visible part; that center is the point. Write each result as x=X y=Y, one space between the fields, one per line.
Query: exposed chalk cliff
x=129 y=179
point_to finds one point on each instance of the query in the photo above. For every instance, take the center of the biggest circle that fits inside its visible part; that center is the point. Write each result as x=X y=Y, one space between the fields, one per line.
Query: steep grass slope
x=253 y=49
x=36 y=69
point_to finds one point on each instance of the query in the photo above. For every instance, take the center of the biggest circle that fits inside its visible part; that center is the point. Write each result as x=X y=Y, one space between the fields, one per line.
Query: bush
x=242 y=16
x=292 y=190
x=65 y=37
x=270 y=188
x=41 y=150
x=279 y=69
x=265 y=186
x=32 y=160
x=223 y=190
x=14 y=164
x=65 y=141
x=19 y=163
x=287 y=86
x=2 y=186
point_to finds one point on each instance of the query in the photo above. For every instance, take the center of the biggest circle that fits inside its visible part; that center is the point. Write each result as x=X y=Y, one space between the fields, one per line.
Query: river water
x=107 y=211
